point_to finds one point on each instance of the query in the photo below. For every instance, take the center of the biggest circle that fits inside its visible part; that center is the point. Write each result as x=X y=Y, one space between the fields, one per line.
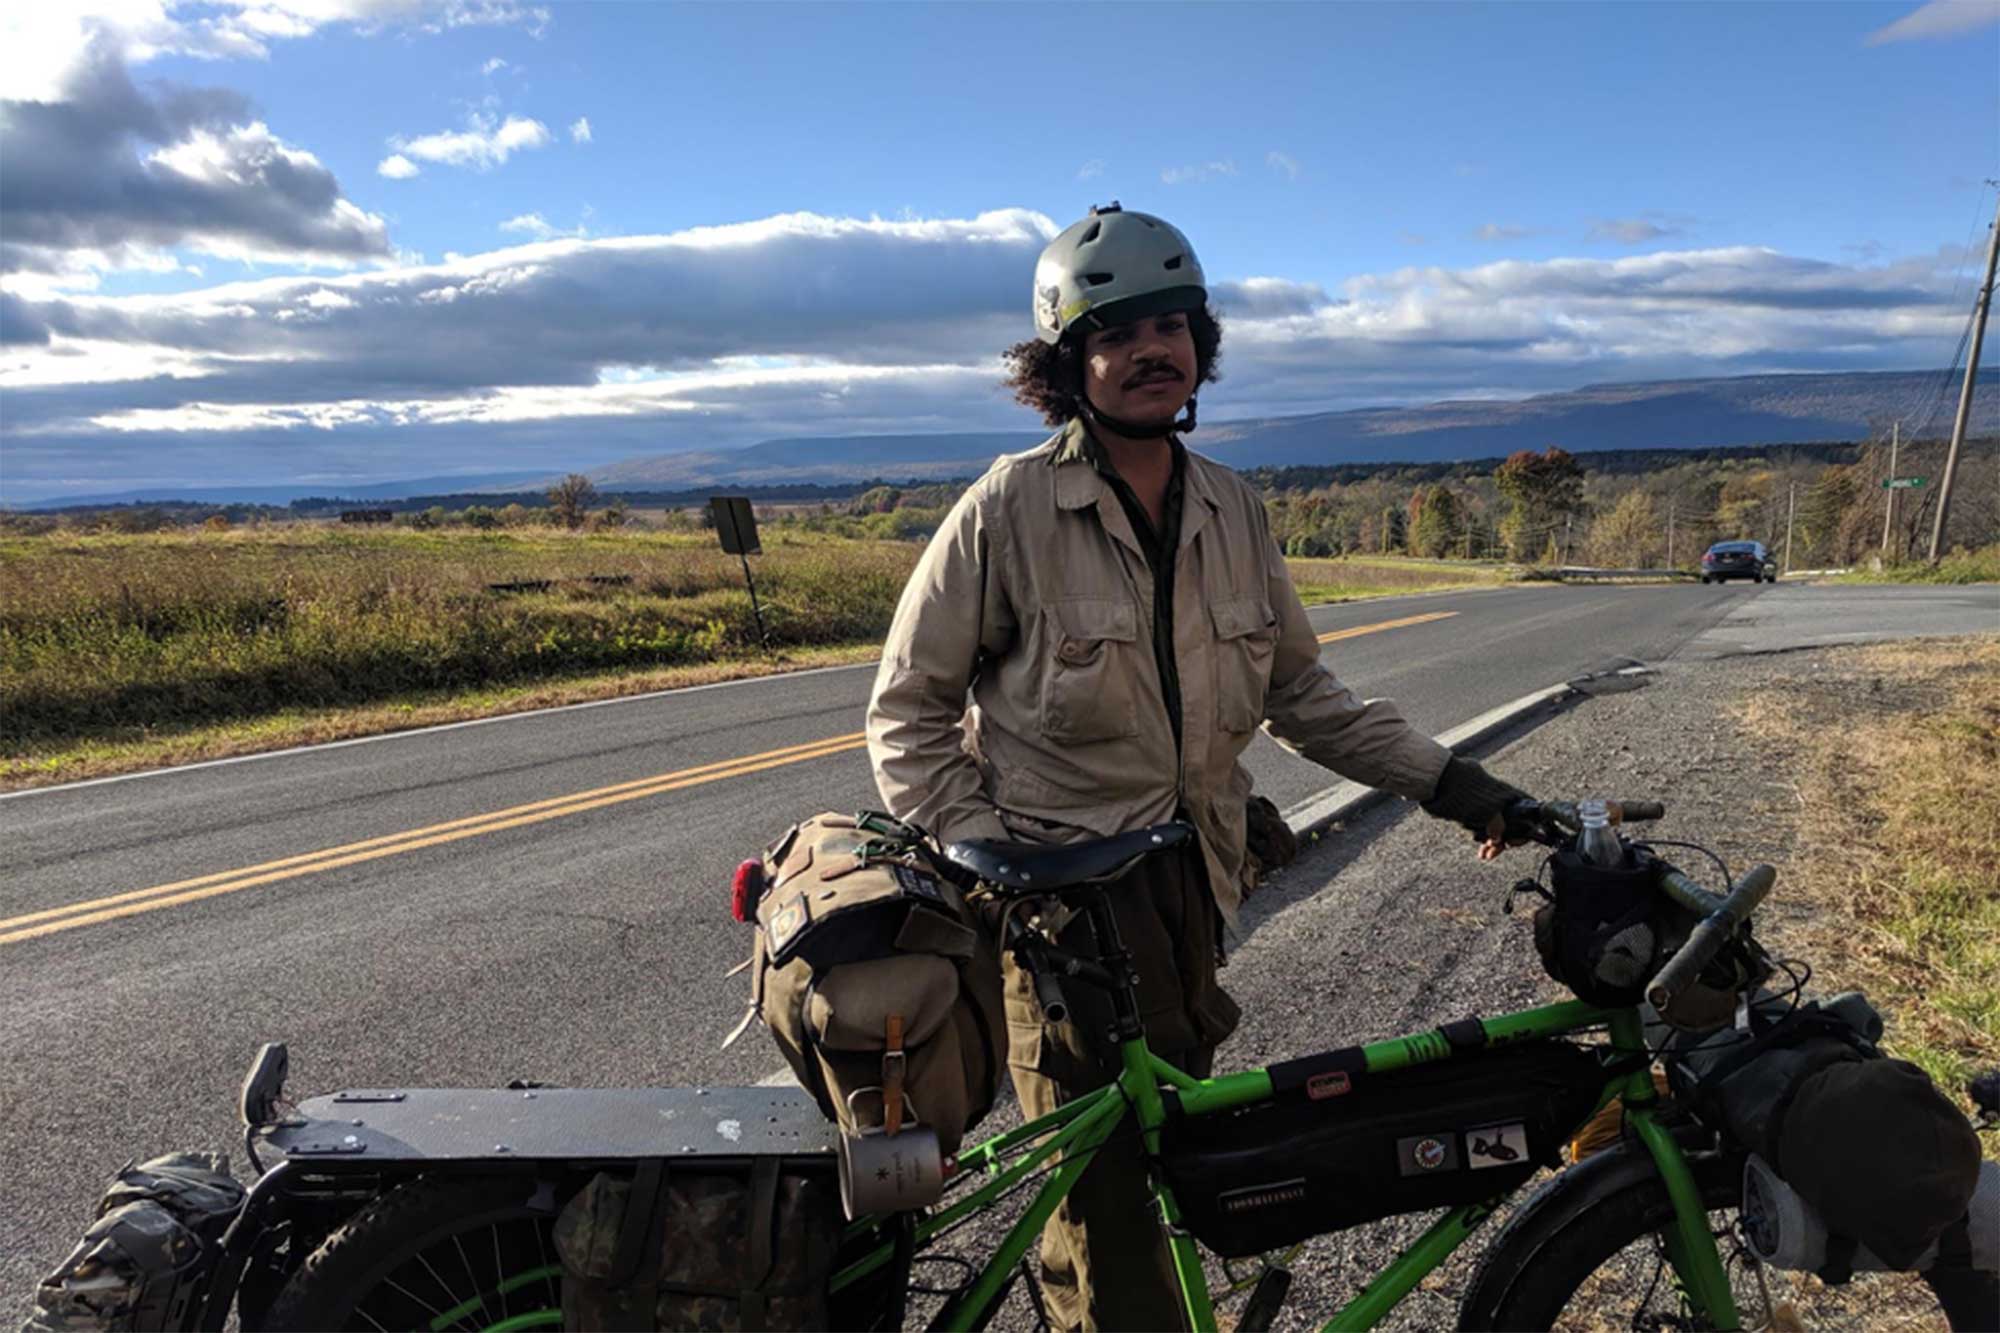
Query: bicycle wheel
x=1595 y=1260
x=437 y=1253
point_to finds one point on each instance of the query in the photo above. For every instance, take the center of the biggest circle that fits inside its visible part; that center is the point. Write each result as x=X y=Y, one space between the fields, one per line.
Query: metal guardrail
x=1567 y=572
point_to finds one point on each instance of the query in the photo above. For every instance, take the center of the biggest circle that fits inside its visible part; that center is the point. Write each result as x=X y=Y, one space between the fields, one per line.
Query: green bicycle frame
x=1070 y=1135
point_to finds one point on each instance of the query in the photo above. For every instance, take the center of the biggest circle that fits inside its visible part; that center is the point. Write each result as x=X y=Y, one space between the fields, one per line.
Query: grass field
x=1961 y=566
x=1899 y=777
x=122 y=652
x=1351 y=577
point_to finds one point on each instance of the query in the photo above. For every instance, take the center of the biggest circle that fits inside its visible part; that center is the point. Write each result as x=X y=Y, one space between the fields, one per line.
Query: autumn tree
x=1543 y=489
x=1438 y=523
x=1631 y=536
x=570 y=499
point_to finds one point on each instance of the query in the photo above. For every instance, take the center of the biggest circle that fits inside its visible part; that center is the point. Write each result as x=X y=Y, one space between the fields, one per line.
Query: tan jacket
x=1036 y=596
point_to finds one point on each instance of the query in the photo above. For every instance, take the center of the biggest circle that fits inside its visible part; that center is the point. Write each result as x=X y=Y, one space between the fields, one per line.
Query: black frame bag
x=1339 y=1147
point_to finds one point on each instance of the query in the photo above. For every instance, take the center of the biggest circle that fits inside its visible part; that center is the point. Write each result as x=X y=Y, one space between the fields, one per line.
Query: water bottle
x=1599 y=843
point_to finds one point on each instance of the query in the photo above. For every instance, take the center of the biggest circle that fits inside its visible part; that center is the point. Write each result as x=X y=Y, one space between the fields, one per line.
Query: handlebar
x=1564 y=813
x=1722 y=915
x=1715 y=930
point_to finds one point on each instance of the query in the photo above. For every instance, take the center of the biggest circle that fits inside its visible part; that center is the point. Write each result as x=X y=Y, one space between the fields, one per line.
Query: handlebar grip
x=1632 y=812
x=1707 y=939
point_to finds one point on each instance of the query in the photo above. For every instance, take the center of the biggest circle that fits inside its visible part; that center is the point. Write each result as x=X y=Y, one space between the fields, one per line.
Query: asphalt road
x=543 y=896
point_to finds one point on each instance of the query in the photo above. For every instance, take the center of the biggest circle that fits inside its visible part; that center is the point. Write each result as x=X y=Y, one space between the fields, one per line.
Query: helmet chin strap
x=1138 y=430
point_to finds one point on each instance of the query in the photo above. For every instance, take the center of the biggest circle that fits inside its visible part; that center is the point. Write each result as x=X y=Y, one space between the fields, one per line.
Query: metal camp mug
x=882 y=1172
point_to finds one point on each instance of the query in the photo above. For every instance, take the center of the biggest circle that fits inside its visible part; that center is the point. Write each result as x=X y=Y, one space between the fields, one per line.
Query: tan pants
x=1105 y=1262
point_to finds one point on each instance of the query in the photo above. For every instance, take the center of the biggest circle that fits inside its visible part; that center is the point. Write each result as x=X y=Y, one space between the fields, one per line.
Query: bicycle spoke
x=499 y=1275
x=410 y=1296
x=478 y=1287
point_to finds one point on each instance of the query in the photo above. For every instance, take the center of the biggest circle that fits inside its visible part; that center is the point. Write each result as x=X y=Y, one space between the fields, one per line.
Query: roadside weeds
x=1896 y=753
x=97 y=757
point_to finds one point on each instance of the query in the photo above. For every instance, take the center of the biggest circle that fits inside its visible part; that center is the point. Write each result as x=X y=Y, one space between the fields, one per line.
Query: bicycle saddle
x=1030 y=867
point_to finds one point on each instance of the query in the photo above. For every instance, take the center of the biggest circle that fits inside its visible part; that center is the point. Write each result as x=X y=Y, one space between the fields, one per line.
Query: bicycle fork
x=1690 y=1243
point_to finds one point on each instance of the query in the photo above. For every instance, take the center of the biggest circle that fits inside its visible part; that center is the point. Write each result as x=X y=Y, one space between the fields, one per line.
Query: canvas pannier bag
x=715 y=1246
x=875 y=979
x=144 y=1263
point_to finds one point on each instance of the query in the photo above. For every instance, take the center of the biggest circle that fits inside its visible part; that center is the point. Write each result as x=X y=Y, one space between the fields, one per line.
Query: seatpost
x=1117 y=960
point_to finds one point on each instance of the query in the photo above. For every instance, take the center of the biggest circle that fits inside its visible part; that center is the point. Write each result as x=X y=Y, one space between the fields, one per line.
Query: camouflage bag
x=709 y=1248
x=875 y=979
x=144 y=1263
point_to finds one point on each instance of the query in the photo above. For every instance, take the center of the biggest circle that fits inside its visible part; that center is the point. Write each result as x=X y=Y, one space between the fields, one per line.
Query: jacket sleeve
x=953 y=613
x=1309 y=712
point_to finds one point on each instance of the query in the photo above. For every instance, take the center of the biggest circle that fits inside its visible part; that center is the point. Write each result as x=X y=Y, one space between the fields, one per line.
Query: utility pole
x=1965 y=394
x=1889 y=510
x=1671 y=506
x=1791 y=508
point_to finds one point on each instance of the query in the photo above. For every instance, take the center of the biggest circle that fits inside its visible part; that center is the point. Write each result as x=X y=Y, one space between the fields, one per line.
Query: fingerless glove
x=1467 y=794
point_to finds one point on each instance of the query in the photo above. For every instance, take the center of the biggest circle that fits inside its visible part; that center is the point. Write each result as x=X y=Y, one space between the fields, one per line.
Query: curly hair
x=1049 y=377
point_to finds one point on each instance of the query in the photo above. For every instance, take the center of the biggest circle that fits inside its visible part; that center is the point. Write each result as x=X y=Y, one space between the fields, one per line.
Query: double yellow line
x=1377 y=628
x=33 y=925
x=50 y=921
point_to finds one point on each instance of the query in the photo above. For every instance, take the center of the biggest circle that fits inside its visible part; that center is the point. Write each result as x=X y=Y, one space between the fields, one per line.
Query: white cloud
x=1090 y=170
x=803 y=324
x=484 y=144
x=535 y=225
x=1195 y=174
x=579 y=130
x=1284 y=162
x=1938 y=19
x=1500 y=231
x=493 y=66
x=396 y=167
x=106 y=174
x=1639 y=230
x=42 y=44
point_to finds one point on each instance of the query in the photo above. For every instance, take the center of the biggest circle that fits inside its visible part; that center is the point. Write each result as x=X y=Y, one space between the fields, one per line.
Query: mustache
x=1150 y=374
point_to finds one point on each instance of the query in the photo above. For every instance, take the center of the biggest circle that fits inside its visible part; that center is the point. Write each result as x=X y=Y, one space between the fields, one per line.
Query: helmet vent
x=1090 y=235
x=1175 y=262
x=1098 y=279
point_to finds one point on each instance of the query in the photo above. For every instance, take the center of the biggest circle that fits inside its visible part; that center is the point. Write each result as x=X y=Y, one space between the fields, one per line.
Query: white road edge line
x=1344 y=798
x=425 y=731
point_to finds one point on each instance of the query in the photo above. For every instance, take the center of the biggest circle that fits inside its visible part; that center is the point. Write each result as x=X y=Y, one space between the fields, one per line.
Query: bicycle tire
x=1530 y=1276
x=394 y=1234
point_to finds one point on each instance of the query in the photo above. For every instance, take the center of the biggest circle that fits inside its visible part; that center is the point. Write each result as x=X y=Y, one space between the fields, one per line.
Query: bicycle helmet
x=1111 y=268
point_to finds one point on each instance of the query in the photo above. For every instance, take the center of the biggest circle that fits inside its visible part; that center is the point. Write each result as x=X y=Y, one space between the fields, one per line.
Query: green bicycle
x=435 y=1208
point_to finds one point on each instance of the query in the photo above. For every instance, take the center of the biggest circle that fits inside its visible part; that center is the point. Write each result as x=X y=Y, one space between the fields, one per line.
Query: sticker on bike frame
x=1496 y=1145
x=1426 y=1154
x=1322 y=1086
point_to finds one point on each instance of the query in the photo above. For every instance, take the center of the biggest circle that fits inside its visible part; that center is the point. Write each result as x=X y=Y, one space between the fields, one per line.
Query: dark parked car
x=1738 y=560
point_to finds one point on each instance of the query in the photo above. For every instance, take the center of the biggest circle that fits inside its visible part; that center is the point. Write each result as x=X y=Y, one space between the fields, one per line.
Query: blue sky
x=743 y=221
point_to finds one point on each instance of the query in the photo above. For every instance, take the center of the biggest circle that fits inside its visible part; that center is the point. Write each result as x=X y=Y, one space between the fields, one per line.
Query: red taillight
x=745 y=890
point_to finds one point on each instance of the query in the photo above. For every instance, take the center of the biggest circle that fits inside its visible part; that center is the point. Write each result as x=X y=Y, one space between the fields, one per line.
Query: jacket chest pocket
x=1089 y=686
x=1246 y=639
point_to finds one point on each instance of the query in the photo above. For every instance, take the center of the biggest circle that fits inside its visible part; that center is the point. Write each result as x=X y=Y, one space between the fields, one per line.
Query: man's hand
x=1496 y=840
x=1468 y=795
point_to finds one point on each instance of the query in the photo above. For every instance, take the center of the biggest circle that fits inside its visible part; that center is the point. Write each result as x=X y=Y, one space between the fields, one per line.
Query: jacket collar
x=1080 y=486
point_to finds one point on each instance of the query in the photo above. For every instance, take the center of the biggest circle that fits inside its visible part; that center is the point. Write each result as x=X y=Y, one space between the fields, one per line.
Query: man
x=1124 y=622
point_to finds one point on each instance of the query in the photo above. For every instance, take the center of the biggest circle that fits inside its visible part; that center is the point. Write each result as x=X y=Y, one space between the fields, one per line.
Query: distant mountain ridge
x=1659 y=414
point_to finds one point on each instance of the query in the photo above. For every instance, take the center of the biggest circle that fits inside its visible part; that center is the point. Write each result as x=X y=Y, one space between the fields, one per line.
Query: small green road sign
x=1903 y=483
